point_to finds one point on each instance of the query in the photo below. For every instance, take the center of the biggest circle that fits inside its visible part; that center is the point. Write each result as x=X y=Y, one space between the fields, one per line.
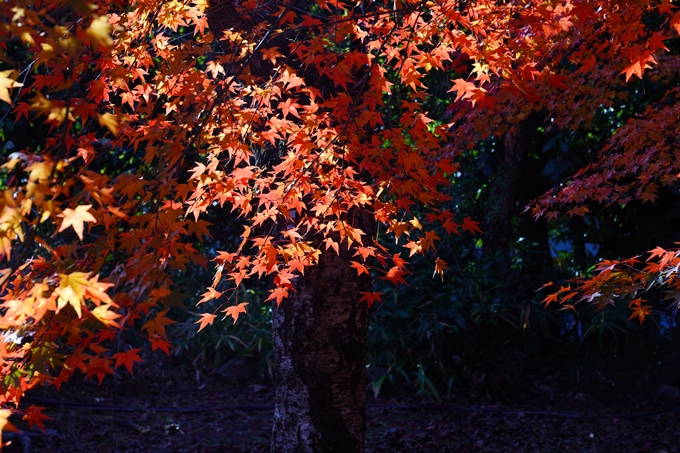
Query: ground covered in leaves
x=175 y=411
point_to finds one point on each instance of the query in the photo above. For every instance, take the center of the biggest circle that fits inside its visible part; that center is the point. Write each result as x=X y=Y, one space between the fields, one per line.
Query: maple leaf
x=466 y=90
x=5 y=424
x=439 y=268
x=331 y=243
x=649 y=194
x=278 y=294
x=545 y=285
x=657 y=42
x=206 y=320
x=675 y=22
x=426 y=243
x=106 y=316
x=451 y=227
x=96 y=291
x=6 y=84
x=214 y=68
x=160 y=293
x=370 y=297
x=209 y=295
x=127 y=358
x=398 y=261
x=640 y=312
x=394 y=275
x=271 y=54
x=361 y=269
x=34 y=416
x=234 y=311
x=658 y=252
x=129 y=98
x=72 y=291
x=157 y=324
x=666 y=7
x=414 y=248
x=109 y=121
x=76 y=219
x=364 y=252
x=587 y=64
x=99 y=30
x=471 y=226
x=550 y=298
x=578 y=211
x=159 y=343
x=289 y=106
x=639 y=62
x=399 y=228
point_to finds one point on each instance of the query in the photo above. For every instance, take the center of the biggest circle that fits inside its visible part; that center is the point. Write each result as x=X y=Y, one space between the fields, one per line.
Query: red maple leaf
x=370 y=297
x=471 y=226
x=34 y=416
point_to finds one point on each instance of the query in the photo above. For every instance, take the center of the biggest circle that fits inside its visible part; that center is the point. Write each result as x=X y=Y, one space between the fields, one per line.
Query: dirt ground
x=156 y=412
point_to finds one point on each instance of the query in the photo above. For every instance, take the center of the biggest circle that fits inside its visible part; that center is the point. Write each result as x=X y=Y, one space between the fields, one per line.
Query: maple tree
x=314 y=124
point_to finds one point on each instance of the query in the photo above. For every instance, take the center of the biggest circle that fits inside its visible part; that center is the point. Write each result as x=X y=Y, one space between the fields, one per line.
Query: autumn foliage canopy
x=295 y=117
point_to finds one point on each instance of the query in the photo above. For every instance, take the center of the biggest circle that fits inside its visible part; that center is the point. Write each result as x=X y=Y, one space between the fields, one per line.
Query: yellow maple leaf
x=76 y=218
x=105 y=315
x=109 y=120
x=7 y=83
x=72 y=291
x=5 y=424
x=100 y=30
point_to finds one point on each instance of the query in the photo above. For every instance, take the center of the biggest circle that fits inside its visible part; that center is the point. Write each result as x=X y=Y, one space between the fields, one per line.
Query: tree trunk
x=514 y=176
x=501 y=203
x=319 y=349
x=320 y=330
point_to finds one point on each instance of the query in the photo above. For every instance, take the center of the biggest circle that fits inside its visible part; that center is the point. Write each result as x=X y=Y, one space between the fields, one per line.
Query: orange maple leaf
x=206 y=320
x=235 y=310
x=639 y=64
x=271 y=54
x=550 y=298
x=466 y=90
x=394 y=275
x=640 y=312
x=209 y=295
x=127 y=358
x=157 y=324
x=278 y=294
x=439 y=267
x=361 y=269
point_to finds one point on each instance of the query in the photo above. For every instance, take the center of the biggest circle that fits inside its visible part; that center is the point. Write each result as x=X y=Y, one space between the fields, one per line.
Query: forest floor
x=155 y=411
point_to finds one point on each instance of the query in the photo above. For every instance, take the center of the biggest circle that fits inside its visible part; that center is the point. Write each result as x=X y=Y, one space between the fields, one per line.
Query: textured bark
x=502 y=202
x=516 y=182
x=319 y=349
